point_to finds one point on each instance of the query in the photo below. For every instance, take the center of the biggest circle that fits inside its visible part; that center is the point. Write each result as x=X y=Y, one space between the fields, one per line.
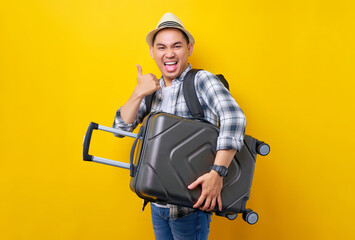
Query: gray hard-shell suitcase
x=171 y=152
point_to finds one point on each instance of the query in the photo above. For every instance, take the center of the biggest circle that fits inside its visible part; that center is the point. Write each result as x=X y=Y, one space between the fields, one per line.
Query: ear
x=151 y=50
x=190 y=48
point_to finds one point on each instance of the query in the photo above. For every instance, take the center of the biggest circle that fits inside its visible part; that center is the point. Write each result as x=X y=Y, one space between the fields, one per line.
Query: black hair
x=183 y=33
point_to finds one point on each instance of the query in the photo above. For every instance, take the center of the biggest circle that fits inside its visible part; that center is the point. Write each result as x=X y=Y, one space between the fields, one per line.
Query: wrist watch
x=221 y=170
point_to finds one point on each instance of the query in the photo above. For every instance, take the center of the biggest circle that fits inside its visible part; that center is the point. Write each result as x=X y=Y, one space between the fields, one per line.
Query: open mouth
x=170 y=66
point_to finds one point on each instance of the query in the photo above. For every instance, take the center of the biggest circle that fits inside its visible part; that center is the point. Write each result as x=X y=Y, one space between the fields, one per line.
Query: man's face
x=170 y=52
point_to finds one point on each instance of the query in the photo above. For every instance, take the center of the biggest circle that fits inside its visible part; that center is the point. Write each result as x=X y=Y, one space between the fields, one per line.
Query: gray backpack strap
x=223 y=80
x=148 y=103
x=190 y=95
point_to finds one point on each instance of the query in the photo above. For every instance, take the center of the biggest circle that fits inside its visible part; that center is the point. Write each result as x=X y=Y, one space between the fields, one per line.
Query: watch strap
x=221 y=170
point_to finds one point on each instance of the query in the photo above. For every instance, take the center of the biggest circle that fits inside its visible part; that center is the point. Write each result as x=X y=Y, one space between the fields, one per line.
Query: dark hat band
x=169 y=24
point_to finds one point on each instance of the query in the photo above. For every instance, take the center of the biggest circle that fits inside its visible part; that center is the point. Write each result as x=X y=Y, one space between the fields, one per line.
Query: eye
x=178 y=46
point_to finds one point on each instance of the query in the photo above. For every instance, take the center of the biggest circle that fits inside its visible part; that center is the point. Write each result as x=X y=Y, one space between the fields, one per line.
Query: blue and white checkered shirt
x=216 y=101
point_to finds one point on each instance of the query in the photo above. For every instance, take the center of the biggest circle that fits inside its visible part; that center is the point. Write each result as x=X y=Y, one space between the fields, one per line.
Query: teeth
x=170 y=63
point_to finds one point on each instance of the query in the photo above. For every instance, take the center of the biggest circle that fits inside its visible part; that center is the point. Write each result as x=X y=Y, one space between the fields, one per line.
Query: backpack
x=189 y=90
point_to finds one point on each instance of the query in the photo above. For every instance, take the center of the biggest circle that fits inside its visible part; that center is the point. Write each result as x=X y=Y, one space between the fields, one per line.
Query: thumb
x=139 y=68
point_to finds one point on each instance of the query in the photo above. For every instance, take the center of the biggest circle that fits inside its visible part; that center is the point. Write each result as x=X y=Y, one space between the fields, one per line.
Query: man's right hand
x=146 y=84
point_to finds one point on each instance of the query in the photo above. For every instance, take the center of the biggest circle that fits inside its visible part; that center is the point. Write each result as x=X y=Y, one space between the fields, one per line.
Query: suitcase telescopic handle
x=87 y=140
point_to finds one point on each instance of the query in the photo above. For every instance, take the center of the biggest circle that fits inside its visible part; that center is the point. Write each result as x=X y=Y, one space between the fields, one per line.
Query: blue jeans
x=195 y=226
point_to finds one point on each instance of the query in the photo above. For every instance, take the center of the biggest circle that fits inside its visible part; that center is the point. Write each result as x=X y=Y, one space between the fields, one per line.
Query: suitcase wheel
x=232 y=216
x=263 y=148
x=250 y=216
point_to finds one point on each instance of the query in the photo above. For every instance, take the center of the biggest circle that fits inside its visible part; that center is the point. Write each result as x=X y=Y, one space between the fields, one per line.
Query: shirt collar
x=179 y=78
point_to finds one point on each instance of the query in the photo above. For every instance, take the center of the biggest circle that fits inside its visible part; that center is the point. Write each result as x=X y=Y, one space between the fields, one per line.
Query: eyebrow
x=161 y=44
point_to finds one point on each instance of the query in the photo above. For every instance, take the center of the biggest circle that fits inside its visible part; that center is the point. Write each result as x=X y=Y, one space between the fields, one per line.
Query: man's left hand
x=211 y=184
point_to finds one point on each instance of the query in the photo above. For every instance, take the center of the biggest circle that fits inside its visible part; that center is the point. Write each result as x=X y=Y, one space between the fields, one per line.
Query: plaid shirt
x=218 y=106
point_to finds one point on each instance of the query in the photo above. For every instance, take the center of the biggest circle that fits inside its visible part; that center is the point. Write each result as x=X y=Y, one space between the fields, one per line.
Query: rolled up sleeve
x=232 y=132
x=222 y=104
x=120 y=124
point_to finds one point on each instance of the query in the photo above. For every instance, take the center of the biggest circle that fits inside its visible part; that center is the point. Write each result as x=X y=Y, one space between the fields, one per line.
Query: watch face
x=224 y=171
x=221 y=170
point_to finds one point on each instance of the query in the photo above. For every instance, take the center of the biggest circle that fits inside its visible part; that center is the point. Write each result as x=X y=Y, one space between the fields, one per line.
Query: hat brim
x=151 y=34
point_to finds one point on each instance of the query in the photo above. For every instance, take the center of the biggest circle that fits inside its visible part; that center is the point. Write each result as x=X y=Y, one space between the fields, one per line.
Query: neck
x=168 y=82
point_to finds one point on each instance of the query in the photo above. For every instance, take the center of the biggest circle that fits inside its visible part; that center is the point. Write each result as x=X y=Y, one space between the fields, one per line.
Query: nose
x=170 y=53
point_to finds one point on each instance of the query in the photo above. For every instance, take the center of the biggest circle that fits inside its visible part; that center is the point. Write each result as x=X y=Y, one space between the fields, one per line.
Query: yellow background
x=64 y=63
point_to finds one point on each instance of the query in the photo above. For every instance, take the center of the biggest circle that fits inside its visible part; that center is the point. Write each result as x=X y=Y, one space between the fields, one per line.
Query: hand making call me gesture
x=146 y=85
x=211 y=183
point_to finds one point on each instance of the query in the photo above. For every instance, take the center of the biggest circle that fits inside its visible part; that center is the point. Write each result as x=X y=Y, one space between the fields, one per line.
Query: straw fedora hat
x=168 y=20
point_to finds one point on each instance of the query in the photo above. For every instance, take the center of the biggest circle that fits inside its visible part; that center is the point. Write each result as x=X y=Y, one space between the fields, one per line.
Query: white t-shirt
x=166 y=99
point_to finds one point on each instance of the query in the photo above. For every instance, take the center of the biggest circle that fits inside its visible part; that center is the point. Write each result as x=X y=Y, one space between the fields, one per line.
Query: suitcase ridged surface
x=175 y=151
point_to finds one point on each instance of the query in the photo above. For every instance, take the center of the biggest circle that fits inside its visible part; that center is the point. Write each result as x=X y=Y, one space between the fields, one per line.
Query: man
x=170 y=46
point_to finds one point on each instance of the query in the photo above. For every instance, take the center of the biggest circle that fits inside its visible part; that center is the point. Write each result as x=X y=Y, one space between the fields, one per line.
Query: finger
x=139 y=68
x=155 y=77
x=219 y=200
x=157 y=84
x=194 y=184
x=206 y=205
x=213 y=204
x=199 y=201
